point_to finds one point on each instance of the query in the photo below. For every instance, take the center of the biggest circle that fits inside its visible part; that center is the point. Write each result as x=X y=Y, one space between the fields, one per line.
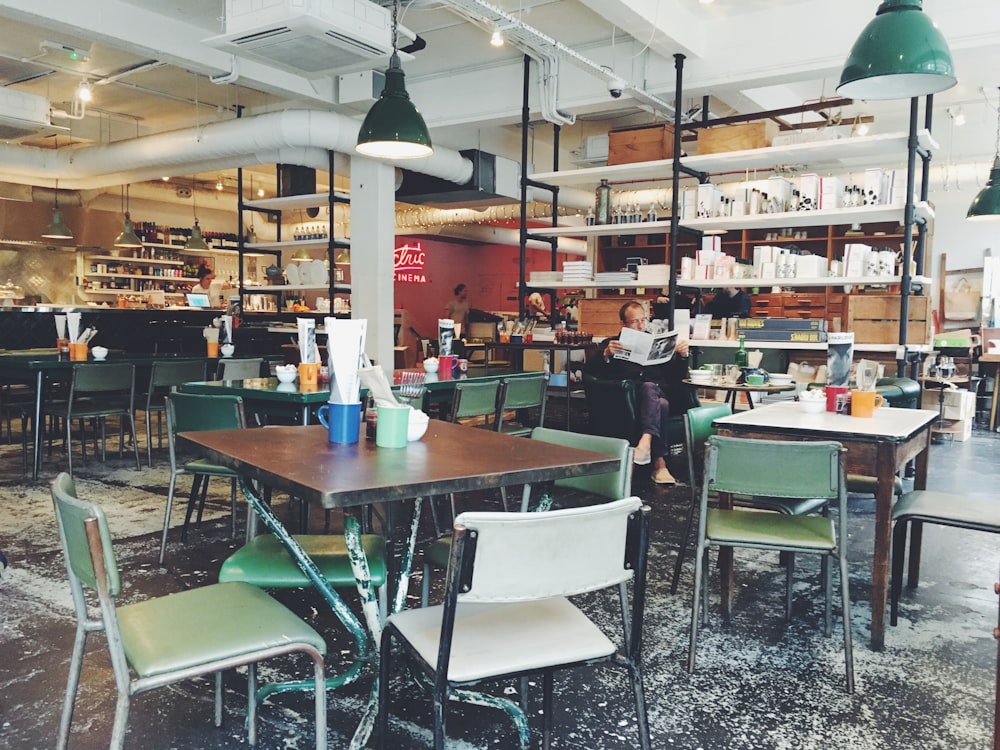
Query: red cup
x=446 y=364
x=833 y=393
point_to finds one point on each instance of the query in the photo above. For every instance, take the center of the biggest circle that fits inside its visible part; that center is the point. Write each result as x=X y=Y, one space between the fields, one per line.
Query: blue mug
x=342 y=421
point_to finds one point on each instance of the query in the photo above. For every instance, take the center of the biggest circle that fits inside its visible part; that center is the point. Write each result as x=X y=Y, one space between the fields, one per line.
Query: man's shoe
x=663 y=476
x=641 y=456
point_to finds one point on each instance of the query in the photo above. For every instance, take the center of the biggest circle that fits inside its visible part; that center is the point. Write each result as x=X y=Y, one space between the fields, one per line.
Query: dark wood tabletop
x=448 y=458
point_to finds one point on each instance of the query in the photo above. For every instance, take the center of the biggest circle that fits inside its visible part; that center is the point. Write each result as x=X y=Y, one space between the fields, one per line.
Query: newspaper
x=646 y=348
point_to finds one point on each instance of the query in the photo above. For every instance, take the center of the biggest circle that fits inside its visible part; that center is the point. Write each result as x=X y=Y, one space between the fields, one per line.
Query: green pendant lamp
x=195 y=241
x=57 y=229
x=900 y=54
x=127 y=237
x=986 y=205
x=393 y=127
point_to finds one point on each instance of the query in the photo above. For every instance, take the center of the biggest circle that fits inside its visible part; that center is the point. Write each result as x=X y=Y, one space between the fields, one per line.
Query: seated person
x=729 y=302
x=652 y=405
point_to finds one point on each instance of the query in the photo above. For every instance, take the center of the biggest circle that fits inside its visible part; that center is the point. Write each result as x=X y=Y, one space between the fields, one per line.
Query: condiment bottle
x=741 y=353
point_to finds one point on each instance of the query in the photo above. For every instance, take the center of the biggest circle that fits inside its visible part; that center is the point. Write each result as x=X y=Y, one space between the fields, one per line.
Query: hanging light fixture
x=57 y=229
x=986 y=205
x=343 y=257
x=195 y=241
x=127 y=237
x=900 y=54
x=393 y=127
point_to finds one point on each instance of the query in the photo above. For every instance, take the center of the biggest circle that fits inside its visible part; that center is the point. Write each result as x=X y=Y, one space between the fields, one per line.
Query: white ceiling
x=748 y=55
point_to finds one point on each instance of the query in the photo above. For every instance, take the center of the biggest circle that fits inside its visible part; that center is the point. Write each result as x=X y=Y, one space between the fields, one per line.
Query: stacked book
x=654 y=274
x=577 y=271
x=545 y=278
x=612 y=278
x=796 y=330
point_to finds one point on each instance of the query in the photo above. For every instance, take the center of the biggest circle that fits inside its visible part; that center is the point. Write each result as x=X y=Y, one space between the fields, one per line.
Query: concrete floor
x=761 y=683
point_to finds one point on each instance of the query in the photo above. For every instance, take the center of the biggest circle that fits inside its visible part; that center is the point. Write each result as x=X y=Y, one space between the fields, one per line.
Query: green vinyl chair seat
x=862 y=484
x=436 y=555
x=916 y=508
x=264 y=562
x=185 y=630
x=770 y=531
x=204 y=466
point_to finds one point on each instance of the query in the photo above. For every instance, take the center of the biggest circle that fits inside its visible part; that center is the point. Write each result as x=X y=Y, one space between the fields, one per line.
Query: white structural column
x=373 y=237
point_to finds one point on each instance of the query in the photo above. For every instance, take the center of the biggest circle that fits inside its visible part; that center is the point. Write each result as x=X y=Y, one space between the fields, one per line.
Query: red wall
x=490 y=272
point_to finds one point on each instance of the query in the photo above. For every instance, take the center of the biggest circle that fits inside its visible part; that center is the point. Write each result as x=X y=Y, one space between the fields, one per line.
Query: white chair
x=506 y=613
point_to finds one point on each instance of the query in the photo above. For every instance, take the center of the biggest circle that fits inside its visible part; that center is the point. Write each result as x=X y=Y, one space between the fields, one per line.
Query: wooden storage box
x=646 y=143
x=600 y=316
x=736 y=137
x=874 y=319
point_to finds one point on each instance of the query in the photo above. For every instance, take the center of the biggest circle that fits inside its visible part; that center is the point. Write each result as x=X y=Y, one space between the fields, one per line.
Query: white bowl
x=697 y=377
x=286 y=375
x=812 y=405
x=227 y=350
x=430 y=365
x=417 y=425
x=99 y=352
x=780 y=378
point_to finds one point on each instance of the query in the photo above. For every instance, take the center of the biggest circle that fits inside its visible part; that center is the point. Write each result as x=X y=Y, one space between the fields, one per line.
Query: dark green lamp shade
x=986 y=205
x=195 y=241
x=57 y=229
x=393 y=127
x=900 y=54
x=127 y=237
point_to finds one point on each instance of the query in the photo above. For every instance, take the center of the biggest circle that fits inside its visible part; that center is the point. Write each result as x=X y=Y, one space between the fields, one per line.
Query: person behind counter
x=535 y=308
x=458 y=308
x=729 y=302
x=651 y=383
x=208 y=284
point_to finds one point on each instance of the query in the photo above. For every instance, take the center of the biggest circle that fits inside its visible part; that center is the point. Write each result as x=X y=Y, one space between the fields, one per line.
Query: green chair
x=96 y=392
x=479 y=400
x=188 y=412
x=161 y=641
x=164 y=377
x=239 y=369
x=697 y=429
x=915 y=509
x=506 y=613
x=518 y=395
x=773 y=468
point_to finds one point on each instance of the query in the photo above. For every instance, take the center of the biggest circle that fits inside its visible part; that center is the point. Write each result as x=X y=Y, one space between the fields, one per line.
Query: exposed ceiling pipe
x=292 y=135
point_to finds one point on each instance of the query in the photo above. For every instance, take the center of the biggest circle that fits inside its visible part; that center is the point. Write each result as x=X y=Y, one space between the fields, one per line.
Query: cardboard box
x=646 y=143
x=874 y=319
x=958 y=404
x=737 y=137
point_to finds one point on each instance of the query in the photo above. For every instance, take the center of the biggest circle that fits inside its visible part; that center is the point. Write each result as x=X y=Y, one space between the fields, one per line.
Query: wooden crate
x=874 y=319
x=736 y=137
x=600 y=316
x=645 y=143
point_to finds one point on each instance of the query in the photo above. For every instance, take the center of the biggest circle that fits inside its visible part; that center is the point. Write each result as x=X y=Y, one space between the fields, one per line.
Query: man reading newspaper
x=657 y=362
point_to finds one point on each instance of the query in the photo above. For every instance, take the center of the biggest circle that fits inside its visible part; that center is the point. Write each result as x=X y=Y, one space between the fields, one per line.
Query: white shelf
x=143 y=277
x=289 y=202
x=337 y=287
x=727 y=344
x=862 y=215
x=184 y=251
x=322 y=244
x=136 y=261
x=816 y=281
x=843 y=152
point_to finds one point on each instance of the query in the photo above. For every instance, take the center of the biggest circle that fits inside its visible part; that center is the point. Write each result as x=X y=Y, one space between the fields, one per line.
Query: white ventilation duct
x=291 y=137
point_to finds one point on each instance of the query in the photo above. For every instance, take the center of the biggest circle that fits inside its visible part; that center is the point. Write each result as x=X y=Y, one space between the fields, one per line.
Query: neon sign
x=408 y=264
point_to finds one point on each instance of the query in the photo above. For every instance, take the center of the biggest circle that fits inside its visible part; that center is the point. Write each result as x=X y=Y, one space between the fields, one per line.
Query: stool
x=943 y=508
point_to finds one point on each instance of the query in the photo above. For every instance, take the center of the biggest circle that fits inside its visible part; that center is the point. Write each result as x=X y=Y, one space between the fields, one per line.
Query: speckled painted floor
x=760 y=684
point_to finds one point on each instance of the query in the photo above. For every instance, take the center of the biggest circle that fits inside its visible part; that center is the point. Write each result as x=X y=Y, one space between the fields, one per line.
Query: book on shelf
x=782 y=324
x=797 y=337
x=645 y=348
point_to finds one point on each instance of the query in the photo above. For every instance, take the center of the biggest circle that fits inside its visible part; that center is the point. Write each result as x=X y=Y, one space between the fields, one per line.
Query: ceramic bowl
x=780 y=378
x=286 y=374
x=227 y=350
x=417 y=425
x=754 y=379
x=99 y=352
x=431 y=365
x=812 y=405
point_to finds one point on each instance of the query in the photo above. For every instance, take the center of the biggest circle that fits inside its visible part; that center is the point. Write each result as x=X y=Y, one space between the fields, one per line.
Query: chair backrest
x=525 y=392
x=479 y=399
x=103 y=378
x=612 y=486
x=508 y=557
x=697 y=429
x=774 y=468
x=239 y=369
x=71 y=517
x=166 y=373
x=190 y=412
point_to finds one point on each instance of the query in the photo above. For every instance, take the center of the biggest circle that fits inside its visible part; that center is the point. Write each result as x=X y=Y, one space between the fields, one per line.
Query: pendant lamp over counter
x=195 y=241
x=127 y=237
x=986 y=205
x=393 y=127
x=900 y=54
x=57 y=229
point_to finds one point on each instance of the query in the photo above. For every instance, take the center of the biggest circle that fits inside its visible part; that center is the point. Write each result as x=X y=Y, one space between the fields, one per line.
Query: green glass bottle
x=741 y=353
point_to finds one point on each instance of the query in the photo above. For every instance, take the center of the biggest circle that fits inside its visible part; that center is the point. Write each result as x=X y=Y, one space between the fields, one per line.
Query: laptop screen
x=196 y=299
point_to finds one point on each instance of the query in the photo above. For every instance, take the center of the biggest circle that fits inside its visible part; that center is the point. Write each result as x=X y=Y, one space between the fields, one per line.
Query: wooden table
x=734 y=389
x=449 y=458
x=878 y=446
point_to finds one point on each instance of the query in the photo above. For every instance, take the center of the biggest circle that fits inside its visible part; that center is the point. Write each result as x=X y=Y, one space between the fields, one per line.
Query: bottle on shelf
x=741 y=359
x=602 y=204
